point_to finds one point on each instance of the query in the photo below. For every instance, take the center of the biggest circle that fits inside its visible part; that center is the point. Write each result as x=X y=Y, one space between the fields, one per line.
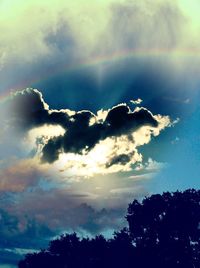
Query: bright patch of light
x=97 y=160
x=44 y=133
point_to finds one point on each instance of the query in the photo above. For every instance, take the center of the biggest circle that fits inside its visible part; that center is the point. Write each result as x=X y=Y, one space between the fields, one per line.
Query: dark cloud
x=20 y=235
x=28 y=110
x=83 y=129
x=21 y=232
x=121 y=120
x=52 y=150
x=121 y=159
x=81 y=137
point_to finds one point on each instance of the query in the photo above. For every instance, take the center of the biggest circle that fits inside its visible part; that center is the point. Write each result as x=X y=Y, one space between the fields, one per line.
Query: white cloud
x=136 y=102
x=39 y=136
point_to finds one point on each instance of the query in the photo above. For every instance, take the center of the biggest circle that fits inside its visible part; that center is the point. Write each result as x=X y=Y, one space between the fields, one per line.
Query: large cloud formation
x=104 y=142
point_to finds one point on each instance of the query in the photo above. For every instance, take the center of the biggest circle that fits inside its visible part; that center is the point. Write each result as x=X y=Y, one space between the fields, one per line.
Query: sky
x=99 y=105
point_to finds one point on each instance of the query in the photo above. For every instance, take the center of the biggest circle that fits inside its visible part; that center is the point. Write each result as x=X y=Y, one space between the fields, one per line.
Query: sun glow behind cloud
x=99 y=159
x=82 y=144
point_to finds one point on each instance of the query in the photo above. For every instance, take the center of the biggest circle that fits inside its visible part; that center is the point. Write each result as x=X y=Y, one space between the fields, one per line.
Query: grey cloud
x=52 y=150
x=27 y=110
x=81 y=137
x=144 y=25
x=121 y=159
x=83 y=129
x=21 y=232
x=104 y=219
x=32 y=216
x=122 y=120
x=21 y=235
x=84 y=217
x=61 y=40
x=76 y=216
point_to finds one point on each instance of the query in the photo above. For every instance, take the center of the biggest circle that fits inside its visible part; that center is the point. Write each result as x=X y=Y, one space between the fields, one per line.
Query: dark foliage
x=164 y=231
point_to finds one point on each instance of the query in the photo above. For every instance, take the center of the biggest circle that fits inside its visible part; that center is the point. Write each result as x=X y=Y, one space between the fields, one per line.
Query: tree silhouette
x=164 y=231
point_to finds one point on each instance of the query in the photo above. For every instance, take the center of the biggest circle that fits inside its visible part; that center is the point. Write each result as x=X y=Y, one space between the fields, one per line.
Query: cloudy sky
x=99 y=104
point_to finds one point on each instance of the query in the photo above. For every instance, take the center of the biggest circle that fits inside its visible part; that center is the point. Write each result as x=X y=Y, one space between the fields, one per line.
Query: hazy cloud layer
x=20 y=235
x=69 y=35
x=68 y=29
x=19 y=176
x=69 y=213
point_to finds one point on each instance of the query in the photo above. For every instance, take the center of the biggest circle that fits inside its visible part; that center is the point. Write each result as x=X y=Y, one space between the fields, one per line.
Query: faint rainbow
x=104 y=59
